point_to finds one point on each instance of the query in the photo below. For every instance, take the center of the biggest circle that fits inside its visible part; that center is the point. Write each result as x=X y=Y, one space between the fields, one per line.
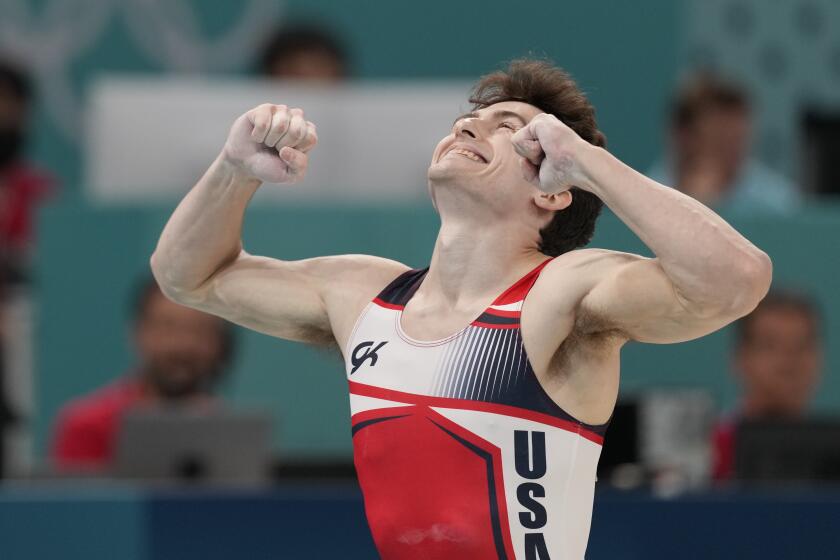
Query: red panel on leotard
x=455 y=468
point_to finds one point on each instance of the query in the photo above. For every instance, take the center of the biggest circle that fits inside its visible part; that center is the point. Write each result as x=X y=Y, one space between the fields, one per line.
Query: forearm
x=204 y=232
x=709 y=263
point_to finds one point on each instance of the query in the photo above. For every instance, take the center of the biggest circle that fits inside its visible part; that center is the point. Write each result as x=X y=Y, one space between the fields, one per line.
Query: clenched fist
x=550 y=150
x=270 y=143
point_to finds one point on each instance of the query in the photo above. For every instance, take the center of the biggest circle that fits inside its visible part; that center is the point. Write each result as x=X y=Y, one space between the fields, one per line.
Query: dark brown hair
x=551 y=89
x=292 y=40
x=703 y=92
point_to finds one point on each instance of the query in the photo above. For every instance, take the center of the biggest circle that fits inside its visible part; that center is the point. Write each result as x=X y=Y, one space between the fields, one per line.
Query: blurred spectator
x=778 y=358
x=22 y=185
x=181 y=355
x=304 y=53
x=708 y=158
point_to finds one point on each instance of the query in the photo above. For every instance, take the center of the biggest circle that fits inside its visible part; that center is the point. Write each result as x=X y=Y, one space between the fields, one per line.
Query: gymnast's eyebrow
x=500 y=114
x=509 y=115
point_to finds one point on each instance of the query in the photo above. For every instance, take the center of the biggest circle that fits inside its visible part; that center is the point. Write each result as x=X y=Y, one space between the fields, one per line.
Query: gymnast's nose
x=467 y=127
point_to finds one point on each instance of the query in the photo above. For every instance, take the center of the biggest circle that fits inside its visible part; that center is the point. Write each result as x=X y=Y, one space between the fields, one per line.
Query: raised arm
x=705 y=273
x=200 y=262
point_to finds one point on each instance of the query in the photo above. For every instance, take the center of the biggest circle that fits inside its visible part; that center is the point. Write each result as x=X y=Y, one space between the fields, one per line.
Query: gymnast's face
x=477 y=159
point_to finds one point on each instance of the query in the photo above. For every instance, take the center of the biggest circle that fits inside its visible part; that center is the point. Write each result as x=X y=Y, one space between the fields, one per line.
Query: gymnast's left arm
x=705 y=273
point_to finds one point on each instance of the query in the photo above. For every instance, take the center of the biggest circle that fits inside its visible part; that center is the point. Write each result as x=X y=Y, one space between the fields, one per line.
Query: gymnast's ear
x=553 y=202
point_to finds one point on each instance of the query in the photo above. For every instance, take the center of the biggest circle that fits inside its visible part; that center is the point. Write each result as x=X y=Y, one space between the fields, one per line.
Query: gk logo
x=365 y=351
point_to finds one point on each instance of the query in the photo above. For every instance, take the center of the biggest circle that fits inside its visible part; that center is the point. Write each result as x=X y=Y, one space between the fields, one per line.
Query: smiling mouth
x=467 y=154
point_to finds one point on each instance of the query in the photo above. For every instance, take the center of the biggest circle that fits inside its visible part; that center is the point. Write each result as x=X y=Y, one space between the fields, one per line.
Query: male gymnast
x=481 y=386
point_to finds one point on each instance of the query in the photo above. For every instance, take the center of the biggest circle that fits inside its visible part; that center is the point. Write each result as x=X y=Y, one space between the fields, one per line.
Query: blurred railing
x=328 y=521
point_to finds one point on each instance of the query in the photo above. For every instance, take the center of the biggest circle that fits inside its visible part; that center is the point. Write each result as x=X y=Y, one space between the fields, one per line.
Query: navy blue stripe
x=495 y=368
x=497 y=319
x=400 y=290
x=366 y=423
x=491 y=489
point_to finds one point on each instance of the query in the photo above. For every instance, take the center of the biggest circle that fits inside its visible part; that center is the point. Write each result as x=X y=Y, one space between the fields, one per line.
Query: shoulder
x=331 y=275
x=554 y=317
x=366 y=267
x=586 y=265
x=354 y=281
x=364 y=275
x=569 y=279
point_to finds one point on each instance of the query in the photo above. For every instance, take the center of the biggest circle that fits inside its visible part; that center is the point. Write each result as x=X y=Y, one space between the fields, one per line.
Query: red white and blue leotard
x=460 y=453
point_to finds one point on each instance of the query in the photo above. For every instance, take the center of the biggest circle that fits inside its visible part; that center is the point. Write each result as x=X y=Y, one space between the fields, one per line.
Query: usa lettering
x=529 y=451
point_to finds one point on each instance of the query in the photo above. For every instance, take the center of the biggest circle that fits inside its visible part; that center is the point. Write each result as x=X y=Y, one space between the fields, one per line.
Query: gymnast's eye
x=508 y=126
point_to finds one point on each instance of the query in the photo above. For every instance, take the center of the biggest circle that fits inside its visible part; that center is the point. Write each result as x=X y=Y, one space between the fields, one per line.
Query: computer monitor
x=788 y=451
x=219 y=446
x=621 y=441
x=820 y=151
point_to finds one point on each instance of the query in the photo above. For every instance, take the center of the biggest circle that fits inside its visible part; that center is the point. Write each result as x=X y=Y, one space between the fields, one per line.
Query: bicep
x=300 y=300
x=278 y=298
x=636 y=298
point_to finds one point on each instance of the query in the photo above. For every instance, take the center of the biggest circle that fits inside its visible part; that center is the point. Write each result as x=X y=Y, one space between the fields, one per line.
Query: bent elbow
x=156 y=266
x=732 y=292
x=170 y=288
x=754 y=278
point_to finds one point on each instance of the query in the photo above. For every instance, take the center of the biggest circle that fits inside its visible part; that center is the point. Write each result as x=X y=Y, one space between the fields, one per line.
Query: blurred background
x=132 y=428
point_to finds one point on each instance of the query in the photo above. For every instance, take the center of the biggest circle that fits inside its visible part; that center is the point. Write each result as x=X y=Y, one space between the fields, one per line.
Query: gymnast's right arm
x=199 y=260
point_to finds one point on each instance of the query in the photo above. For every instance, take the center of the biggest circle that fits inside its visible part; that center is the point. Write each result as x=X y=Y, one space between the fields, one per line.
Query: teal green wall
x=91 y=258
x=624 y=54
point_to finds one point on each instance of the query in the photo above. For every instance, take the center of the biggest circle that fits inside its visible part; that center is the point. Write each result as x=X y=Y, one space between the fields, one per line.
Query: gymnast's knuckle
x=543 y=118
x=280 y=126
x=296 y=134
x=263 y=110
x=259 y=114
x=260 y=125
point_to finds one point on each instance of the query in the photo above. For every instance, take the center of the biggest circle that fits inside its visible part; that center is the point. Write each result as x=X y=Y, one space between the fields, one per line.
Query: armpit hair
x=580 y=341
x=590 y=325
x=320 y=339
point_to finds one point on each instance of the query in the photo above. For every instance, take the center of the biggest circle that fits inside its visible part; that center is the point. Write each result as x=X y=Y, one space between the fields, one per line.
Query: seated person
x=181 y=354
x=778 y=357
x=304 y=52
x=23 y=185
x=708 y=158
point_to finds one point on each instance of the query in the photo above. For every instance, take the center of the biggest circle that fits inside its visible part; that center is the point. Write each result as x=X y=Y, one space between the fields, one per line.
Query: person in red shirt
x=778 y=359
x=181 y=354
x=22 y=185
